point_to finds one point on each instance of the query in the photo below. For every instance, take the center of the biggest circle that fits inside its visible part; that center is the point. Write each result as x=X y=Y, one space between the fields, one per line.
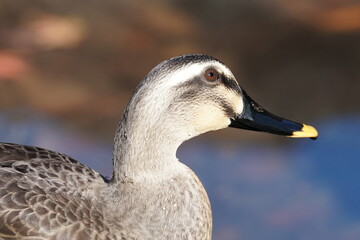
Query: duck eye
x=211 y=75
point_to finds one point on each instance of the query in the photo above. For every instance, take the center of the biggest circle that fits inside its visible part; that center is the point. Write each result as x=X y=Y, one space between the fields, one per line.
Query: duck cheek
x=238 y=104
x=209 y=118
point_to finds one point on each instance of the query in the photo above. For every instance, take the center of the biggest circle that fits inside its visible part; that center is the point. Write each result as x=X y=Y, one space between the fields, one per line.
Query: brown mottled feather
x=42 y=195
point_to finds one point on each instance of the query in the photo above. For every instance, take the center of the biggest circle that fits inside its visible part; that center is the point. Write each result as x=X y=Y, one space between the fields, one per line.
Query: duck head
x=193 y=94
x=179 y=99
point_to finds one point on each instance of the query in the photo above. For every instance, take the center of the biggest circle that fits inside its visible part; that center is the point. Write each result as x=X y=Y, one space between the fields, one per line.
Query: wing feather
x=42 y=195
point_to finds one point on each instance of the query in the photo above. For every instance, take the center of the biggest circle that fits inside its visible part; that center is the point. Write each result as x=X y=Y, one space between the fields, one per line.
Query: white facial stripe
x=238 y=105
x=233 y=98
x=188 y=71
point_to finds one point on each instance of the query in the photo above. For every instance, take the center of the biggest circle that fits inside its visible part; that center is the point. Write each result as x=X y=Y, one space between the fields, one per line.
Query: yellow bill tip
x=306 y=131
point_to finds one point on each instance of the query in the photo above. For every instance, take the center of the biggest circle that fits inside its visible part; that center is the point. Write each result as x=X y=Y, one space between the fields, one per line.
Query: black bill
x=255 y=118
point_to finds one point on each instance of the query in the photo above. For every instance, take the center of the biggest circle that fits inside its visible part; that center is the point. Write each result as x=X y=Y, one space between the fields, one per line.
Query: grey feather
x=47 y=195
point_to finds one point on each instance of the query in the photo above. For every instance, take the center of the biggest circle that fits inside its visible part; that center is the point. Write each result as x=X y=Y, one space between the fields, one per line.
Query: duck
x=151 y=194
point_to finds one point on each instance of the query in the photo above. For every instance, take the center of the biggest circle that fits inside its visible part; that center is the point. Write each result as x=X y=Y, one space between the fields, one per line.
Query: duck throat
x=144 y=144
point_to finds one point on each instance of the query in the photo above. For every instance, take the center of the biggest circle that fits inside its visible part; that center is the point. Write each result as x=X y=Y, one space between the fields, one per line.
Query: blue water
x=304 y=190
x=335 y=162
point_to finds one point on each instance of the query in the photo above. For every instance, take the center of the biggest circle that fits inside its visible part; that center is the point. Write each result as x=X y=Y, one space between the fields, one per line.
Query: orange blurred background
x=80 y=62
x=72 y=66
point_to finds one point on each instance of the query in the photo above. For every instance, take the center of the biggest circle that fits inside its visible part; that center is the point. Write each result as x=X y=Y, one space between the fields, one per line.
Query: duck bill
x=255 y=118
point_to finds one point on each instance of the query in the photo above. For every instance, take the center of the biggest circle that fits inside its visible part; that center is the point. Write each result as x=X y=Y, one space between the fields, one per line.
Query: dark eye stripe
x=226 y=107
x=231 y=84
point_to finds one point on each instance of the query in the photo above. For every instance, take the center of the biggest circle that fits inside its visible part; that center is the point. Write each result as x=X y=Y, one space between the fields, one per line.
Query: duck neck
x=143 y=145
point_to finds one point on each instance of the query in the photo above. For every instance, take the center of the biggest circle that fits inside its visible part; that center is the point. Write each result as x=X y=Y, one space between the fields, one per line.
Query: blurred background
x=67 y=69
